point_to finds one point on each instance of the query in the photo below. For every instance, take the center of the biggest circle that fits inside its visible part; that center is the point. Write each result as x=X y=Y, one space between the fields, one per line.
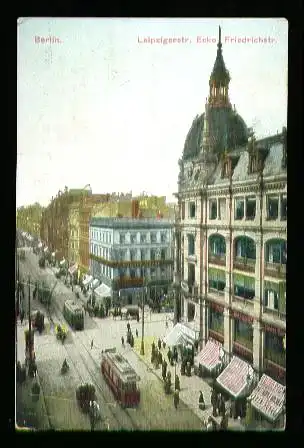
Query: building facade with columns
x=231 y=232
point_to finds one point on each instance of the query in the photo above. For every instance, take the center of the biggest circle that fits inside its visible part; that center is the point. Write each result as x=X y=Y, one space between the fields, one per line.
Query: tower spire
x=220 y=38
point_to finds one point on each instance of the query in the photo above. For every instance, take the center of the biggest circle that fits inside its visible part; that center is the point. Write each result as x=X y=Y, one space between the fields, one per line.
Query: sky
x=97 y=105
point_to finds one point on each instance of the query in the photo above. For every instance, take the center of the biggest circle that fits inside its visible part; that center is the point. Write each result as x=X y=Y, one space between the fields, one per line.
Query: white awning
x=189 y=333
x=53 y=254
x=268 y=398
x=174 y=337
x=95 y=283
x=46 y=249
x=40 y=245
x=103 y=291
x=62 y=262
x=235 y=378
x=209 y=357
x=87 y=280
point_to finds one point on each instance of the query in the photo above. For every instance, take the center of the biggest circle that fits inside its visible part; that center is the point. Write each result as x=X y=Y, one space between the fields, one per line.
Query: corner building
x=231 y=232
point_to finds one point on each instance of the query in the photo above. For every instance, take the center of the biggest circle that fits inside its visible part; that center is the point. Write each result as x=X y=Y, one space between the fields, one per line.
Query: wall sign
x=242 y=317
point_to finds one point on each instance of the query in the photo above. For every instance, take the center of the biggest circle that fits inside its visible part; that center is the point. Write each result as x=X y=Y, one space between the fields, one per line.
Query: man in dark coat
x=159 y=344
x=128 y=326
x=214 y=402
x=164 y=369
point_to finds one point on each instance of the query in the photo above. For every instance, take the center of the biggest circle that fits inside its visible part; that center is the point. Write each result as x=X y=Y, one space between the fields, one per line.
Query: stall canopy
x=268 y=398
x=209 y=357
x=40 y=245
x=174 y=337
x=189 y=334
x=87 y=280
x=62 y=262
x=73 y=269
x=46 y=249
x=53 y=254
x=236 y=377
x=95 y=283
x=103 y=291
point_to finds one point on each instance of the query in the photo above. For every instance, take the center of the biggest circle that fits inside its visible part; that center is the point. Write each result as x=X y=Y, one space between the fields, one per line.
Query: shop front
x=275 y=353
x=243 y=336
x=235 y=383
x=216 y=322
x=266 y=405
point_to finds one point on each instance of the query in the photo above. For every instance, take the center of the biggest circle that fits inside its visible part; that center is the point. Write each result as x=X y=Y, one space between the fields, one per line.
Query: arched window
x=217 y=245
x=245 y=248
x=276 y=251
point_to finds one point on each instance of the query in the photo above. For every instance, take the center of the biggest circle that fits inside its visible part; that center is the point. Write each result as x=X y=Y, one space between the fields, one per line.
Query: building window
x=163 y=238
x=276 y=252
x=216 y=321
x=284 y=208
x=272 y=207
x=163 y=254
x=133 y=238
x=271 y=299
x=183 y=210
x=191 y=245
x=132 y=255
x=244 y=286
x=153 y=273
x=253 y=164
x=192 y=210
x=217 y=245
x=132 y=273
x=225 y=169
x=122 y=238
x=213 y=209
x=239 y=209
x=142 y=255
x=222 y=208
x=245 y=248
x=153 y=237
x=143 y=238
x=243 y=333
x=250 y=208
x=153 y=254
x=163 y=272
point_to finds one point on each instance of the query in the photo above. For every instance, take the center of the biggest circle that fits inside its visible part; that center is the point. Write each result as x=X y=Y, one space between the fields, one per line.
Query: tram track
x=115 y=412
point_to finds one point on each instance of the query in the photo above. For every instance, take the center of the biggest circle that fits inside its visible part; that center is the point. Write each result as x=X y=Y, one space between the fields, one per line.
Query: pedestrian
x=128 y=326
x=169 y=356
x=164 y=345
x=176 y=398
x=214 y=402
x=122 y=341
x=136 y=332
x=177 y=383
x=21 y=316
x=167 y=324
x=91 y=344
x=159 y=344
x=164 y=369
x=201 y=402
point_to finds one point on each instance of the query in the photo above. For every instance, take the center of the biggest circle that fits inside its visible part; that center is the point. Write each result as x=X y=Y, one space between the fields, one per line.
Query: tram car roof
x=122 y=366
x=72 y=306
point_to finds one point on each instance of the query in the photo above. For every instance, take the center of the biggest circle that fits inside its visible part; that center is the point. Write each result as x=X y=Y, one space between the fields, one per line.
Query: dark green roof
x=220 y=74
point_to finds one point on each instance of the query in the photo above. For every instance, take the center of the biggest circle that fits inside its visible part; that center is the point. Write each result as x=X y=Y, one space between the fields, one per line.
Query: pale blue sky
x=104 y=109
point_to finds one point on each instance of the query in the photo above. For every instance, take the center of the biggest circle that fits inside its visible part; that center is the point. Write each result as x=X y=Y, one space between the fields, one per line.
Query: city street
x=156 y=410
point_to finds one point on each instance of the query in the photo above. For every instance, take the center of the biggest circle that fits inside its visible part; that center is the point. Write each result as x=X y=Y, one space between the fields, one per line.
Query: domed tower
x=220 y=128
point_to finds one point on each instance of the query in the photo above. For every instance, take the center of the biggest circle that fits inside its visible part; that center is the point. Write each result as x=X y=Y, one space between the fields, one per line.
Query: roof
x=268 y=397
x=220 y=74
x=103 y=290
x=209 y=357
x=72 y=305
x=234 y=377
x=122 y=366
x=130 y=223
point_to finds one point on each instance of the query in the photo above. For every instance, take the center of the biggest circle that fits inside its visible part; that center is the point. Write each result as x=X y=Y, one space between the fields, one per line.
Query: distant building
x=28 y=219
x=231 y=232
x=128 y=253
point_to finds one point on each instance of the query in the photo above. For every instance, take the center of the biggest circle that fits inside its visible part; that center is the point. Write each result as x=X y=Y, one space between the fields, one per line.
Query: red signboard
x=242 y=317
x=274 y=330
x=216 y=307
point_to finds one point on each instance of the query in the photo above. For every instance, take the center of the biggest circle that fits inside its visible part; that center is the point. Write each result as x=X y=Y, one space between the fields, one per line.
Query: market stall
x=208 y=361
x=103 y=291
x=235 y=383
x=95 y=283
x=265 y=406
x=87 y=280
x=174 y=337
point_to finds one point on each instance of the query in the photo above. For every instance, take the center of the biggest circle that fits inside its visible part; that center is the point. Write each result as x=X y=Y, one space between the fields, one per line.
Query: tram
x=121 y=378
x=73 y=314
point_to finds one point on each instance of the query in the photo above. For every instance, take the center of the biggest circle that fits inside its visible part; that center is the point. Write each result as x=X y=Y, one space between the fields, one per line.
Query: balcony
x=244 y=264
x=217 y=259
x=243 y=304
x=192 y=258
x=272 y=315
x=276 y=270
x=128 y=282
x=216 y=295
x=193 y=294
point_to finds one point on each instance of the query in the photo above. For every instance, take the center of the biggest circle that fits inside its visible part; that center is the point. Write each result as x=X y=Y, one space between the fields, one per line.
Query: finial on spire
x=220 y=40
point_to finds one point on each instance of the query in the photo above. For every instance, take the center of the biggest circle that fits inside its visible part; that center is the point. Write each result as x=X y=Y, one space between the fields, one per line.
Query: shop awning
x=73 y=269
x=268 y=398
x=53 y=254
x=46 y=249
x=87 y=280
x=103 y=291
x=209 y=357
x=234 y=378
x=62 y=262
x=174 y=337
x=95 y=283
x=40 y=245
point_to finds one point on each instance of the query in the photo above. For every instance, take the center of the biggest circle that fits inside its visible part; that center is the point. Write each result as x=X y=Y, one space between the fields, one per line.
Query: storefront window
x=243 y=333
x=274 y=348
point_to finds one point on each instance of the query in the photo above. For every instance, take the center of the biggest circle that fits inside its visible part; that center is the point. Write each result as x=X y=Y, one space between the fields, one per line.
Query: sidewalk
x=190 y=386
